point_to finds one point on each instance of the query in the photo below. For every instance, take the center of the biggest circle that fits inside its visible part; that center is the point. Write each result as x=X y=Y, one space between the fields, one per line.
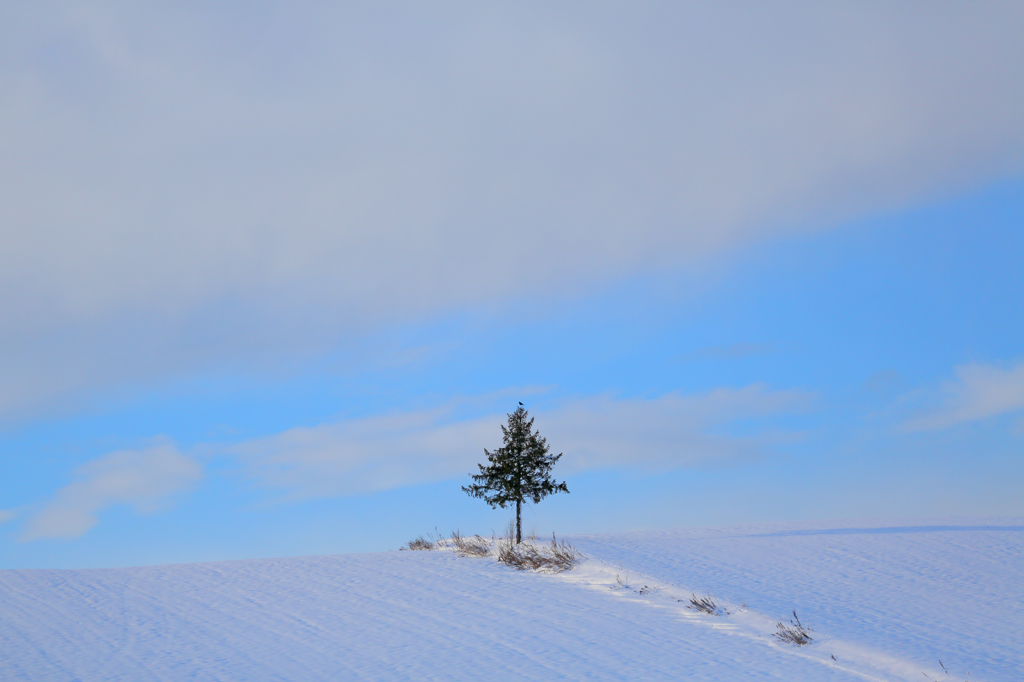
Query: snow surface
x=887 y=601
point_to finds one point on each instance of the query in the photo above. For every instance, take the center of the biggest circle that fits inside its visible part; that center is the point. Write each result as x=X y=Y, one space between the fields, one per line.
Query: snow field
x=888 y=604
x=949 y=590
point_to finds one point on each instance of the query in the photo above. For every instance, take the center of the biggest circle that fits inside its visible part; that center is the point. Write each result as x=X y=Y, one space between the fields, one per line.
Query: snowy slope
x=887 y=602
x=904 y=596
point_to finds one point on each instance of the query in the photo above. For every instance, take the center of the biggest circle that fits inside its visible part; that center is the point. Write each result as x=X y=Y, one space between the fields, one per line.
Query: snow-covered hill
x=885 y=601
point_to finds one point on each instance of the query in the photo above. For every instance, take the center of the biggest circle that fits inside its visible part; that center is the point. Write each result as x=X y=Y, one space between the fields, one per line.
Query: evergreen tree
x=519 y=470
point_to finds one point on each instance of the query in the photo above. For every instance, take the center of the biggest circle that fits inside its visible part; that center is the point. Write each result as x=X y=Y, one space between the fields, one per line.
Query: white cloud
x=365 y=455
x=181 y=185
x=667 y=432
x=6 y=515
x=378 y=453
x=979 y=392
x=142 y=478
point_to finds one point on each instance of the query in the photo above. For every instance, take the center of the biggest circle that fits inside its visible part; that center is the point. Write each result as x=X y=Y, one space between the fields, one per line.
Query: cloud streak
x=671 y=431
x=144 y=479
x=181 y=187
x=979 y=392
x=379 y=453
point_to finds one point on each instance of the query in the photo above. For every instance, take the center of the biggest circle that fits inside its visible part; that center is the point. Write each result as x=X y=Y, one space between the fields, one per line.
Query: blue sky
x=272 y=279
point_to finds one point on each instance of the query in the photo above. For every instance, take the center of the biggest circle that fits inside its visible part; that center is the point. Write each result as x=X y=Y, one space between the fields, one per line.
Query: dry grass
x=474 y=546
x=426 y=542
x=794 y=633
x=420 y=543
x=705 y=604
x=557 y=557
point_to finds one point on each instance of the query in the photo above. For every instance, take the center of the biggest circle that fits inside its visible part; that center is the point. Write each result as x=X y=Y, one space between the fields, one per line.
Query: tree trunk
x=519 y=523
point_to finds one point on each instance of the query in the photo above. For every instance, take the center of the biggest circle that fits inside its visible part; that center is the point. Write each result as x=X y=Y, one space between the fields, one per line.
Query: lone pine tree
x=519 y=470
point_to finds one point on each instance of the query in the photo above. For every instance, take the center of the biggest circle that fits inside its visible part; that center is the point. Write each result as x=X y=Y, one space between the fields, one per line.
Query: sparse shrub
x=474 y=546
x=621 y=584
x=558 y=557
x=795 y=633
x=420 y=543
x=705 y=604
x=564 y=555
x=428 y=541
x=520 y=557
